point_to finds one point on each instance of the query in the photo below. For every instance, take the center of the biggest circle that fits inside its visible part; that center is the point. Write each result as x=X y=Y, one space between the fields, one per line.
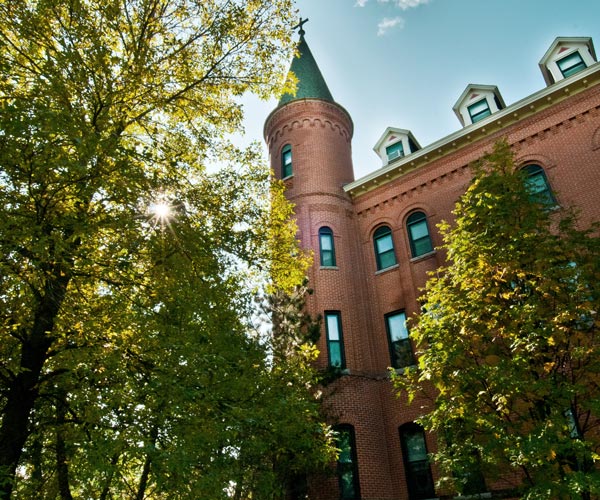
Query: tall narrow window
x=418 y=234
x=347 y=466
x=416 y=462
x=479 y=110
x=326 y=247
x=538 y=185
x=384 y=247
x=571 y=64
x=395 y=151
x=286 y=161
x=335 y=341
x=400 y=348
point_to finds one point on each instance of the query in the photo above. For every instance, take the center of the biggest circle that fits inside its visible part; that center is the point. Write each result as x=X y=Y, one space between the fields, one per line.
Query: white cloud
x=407 y=4
x=402 y=4
x=388 y=23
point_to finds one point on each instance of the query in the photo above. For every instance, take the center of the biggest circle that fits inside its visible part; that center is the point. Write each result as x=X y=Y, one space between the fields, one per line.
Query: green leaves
x=510 y=339
x=128 y=344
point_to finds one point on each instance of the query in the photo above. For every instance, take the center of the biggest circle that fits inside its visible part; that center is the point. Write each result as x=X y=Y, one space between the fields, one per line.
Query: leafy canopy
x=509 y=339
x=130 y=362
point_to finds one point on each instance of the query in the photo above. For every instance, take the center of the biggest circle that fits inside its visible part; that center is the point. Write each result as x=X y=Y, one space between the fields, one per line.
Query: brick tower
x=309 y=140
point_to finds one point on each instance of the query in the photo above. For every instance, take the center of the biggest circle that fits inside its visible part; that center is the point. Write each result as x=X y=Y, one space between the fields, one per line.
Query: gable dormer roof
x=473 y=94
x=562 y=47
x=392 y=136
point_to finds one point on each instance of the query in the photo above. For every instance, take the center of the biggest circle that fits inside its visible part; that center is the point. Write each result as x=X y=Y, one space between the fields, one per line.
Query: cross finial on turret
x=300 y=25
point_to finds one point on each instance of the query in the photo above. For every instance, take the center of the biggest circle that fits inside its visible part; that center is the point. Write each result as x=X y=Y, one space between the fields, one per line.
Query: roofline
x=587 y=40
x=491 y=124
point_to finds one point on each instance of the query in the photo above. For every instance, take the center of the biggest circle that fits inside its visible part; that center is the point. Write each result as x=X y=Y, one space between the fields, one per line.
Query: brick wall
x=564 y=139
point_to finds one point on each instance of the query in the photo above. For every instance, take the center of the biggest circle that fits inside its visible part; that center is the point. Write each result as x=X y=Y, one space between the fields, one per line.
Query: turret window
x=335 y=344
x=400 y=348
x=347 y=465
x=416 y=462
x=286 y=161
x=571 y=64
x=326 y=247
x=479 y=110
x=418 y=234
x=384 y=248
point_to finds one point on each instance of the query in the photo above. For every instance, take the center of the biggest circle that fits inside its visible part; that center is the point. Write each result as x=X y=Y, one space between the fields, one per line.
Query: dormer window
x=479 y=110
x=571 y=64
x=478 y=102
x=567 y=56
x=395 y=143
x=394 y=151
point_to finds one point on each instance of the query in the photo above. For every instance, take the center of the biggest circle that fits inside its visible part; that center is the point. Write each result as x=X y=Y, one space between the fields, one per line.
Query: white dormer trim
x=562 y=47
x=391 y=136
x=472 y=96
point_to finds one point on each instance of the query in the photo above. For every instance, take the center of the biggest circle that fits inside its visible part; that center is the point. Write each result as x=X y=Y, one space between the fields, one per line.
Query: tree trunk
x=143 y=484
x=23 y=390
x=62 y=466
x=106 y=489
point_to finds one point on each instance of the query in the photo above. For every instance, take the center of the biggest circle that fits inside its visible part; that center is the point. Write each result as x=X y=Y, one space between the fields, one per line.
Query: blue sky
x=404 y=63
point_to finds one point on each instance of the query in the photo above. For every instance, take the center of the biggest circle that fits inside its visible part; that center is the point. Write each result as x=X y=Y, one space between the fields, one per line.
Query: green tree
x=130 y=364
x=509 y=339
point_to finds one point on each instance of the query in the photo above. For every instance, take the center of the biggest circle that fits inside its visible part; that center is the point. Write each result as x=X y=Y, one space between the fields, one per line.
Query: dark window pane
x=286 y=161
x=402 y=355
x=416 y=463
x=384 y=248
x=347 y=466
x=387 y=259
x=400 y=346
x=537 y=185
x=479 y=110
x=335 y=346
x=395 y=151
x=327 y=250
x=422 y=246
x=335 y=354
x=418 y=234
x=571 y=64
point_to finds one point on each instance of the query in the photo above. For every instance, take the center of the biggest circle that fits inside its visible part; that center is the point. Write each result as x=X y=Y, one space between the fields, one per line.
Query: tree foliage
x=131 y=366
x=509 y=338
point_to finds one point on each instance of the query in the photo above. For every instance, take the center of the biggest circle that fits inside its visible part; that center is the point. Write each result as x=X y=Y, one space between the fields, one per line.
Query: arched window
x=384 y=247
x=286 y=161
x=416 y=462
x=538 y=186
x=418 y=234
x=326 y=247
x=347 y=465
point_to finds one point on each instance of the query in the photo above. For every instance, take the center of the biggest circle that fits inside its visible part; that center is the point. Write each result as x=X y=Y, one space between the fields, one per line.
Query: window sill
x=423 y=257
x=400 y=371
x=473 y=496
x=330 y=268
x=381 y=271
x=291 y=176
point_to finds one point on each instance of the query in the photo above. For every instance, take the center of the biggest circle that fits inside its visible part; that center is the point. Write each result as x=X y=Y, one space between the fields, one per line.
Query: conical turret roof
x=311 y=84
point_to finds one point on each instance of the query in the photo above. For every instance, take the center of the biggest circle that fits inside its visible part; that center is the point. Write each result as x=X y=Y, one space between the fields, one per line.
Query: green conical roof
x=311 y=83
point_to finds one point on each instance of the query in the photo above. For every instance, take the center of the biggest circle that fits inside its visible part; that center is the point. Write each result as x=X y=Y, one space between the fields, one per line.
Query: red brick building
x=374 y=238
